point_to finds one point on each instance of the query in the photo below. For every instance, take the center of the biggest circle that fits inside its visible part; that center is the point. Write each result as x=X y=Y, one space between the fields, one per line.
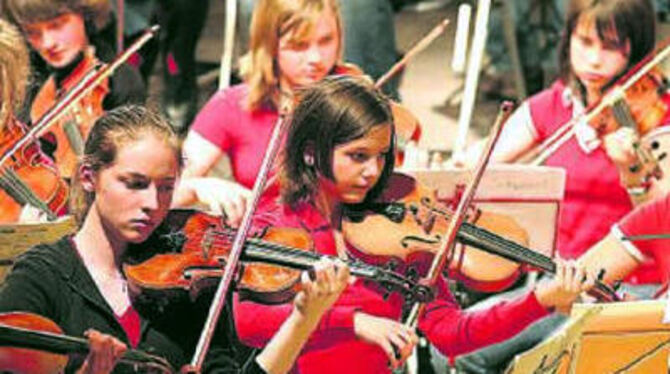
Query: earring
x=309 y=160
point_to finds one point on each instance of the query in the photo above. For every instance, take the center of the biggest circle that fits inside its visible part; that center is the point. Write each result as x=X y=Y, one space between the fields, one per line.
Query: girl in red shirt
x=339 y=152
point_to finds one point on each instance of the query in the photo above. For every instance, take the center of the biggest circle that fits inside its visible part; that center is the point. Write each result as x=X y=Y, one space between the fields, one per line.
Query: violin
x=26 y=179
x=407 y=222
x=30 y=343
x=70 y=132
x=197 y=245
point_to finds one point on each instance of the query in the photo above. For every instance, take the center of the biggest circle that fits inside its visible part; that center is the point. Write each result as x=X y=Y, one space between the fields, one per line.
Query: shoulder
x=58 y=256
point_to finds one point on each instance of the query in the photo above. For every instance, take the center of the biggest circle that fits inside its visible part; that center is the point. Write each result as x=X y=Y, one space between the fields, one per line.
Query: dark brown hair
x=96 y=13
x=632 y=21
x=334 y=111
x=110 y=133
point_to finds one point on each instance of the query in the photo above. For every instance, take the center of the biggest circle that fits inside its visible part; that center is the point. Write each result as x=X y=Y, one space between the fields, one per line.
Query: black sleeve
x=125 y=87
x=30 y=287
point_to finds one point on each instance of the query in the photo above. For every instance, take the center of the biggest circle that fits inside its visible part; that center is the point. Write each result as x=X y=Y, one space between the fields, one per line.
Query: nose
x=592 y=55
x=46 y=40
x=314 y=54
x=373 y=168
x=150 y=198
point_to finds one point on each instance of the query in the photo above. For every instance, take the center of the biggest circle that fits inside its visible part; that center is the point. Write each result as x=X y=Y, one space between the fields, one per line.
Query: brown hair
x=96 y=13
x=632 y=21
x=110 y=133
x=334 y=111
x=14 y=71
x=271 y=20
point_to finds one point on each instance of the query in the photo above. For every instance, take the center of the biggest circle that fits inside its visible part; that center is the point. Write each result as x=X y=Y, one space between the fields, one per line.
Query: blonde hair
x=96 y=13
x=116 y=128
x=271 y=20
x=14 y=71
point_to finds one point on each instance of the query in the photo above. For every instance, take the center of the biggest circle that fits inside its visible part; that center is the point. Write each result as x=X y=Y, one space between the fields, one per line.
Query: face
x=307 y=60
x=595 y=62
x=134 y=194
x=357 y=166
x=58 y=40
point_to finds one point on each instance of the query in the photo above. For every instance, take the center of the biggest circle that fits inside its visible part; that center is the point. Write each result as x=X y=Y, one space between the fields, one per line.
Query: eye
x=166 y=187
x=326 y=40
x=298 y=45
x=359 y=156
x=135 y=183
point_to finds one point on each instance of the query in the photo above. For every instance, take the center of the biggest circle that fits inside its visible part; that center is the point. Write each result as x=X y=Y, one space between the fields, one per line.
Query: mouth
x=142 y=224
x=592 y=77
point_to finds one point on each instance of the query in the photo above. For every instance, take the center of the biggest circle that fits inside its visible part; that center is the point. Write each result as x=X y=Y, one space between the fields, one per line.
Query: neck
x=63 y=73
x=100 y=251
x=329 y=208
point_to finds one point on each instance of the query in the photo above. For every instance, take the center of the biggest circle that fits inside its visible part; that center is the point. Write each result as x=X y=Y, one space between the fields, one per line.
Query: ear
x=309 y=155
x=87 y=178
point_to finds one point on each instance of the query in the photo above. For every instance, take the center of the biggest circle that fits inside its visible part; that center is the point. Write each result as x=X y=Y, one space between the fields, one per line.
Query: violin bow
x=458 y=217
x=539 y=154
x=90 y=81
x=219 y=300
x=418 y=47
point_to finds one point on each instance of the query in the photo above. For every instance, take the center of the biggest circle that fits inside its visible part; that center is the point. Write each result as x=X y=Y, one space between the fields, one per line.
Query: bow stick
x=219 y=300
x=418 y=47
x=457 y=218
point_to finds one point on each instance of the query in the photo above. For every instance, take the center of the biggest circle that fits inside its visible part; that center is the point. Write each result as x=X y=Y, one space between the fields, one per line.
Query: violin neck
x=276 y=254
x=43 y=341
x=66 y=345
x=485 y=240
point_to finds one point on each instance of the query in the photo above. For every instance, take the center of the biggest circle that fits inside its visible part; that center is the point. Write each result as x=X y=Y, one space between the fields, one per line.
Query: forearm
x=281 y=352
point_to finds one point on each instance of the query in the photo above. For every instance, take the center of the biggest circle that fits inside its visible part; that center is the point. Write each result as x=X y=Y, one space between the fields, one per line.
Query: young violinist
x=339 y=151
x=34 y=171
x=60 y=32
x=124 y=188
x=602 y=40
x=292 y=44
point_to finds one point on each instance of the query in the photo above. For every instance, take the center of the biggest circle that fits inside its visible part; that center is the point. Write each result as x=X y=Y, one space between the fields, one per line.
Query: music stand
x=16 y=238
x=529 y=194
x=628 y=337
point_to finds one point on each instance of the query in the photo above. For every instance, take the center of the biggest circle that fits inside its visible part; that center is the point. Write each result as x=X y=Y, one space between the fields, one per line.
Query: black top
x=51 y=280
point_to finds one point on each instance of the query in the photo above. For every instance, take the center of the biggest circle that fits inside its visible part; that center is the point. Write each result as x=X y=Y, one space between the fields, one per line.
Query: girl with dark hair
x=60 y=32
x=122 y=191
x=602 y=40
x=339 y=152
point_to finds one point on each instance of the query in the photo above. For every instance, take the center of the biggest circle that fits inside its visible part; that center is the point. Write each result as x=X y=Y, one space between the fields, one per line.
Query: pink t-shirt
x=650 y=219
x=241 y=134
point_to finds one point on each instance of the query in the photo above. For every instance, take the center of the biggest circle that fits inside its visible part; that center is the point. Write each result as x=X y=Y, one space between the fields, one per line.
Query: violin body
x=198 y=245
x=641 y=107
x=420 y=229
x=26 y=169
x=24 y=360
x=70 y=132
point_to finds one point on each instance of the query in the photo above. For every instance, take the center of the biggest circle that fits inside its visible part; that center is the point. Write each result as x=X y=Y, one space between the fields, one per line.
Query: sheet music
x=17 y=238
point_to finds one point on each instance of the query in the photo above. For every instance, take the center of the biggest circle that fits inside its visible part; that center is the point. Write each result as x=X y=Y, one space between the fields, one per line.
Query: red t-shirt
x=333 y=347
x=648 y=219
